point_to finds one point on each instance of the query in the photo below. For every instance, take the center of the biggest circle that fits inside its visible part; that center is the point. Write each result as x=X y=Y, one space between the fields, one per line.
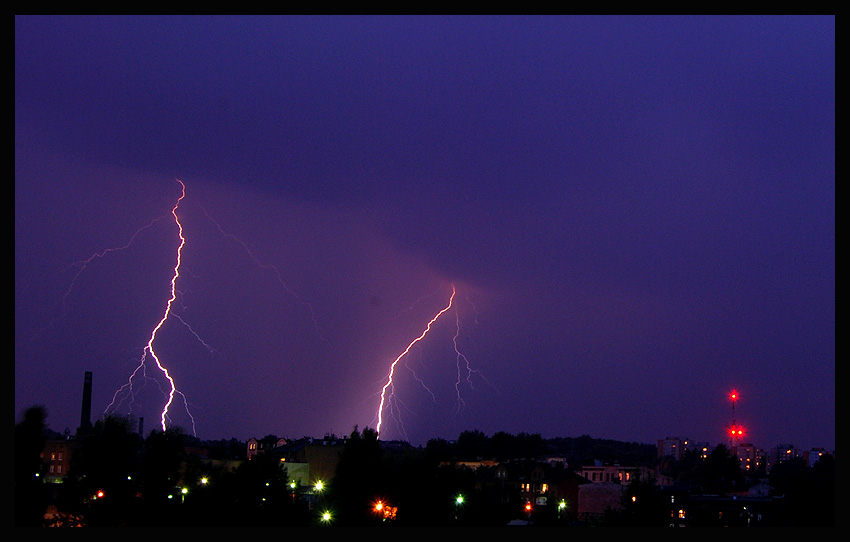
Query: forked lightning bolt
x=389 y=383
x=149 y=347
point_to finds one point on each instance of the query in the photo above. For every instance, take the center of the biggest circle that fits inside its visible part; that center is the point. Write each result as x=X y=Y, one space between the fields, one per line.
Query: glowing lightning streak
x=406 y=350
x=460 y=356
x=84 y=263
x=149 y=346
x=469 y=369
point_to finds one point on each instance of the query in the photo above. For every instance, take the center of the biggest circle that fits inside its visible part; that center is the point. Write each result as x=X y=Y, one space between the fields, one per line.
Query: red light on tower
x=736 y=431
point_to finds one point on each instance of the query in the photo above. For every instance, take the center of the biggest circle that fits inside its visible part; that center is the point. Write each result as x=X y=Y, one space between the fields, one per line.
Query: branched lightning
x=149 y=347
x=460 y=357
x=466 y=365
x=390 y=402
x=389 y=384
x=149 y=366
x=274 y=269
x=83 y=264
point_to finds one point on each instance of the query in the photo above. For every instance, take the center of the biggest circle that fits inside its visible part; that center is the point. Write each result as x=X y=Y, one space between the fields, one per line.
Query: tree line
x=118 y=478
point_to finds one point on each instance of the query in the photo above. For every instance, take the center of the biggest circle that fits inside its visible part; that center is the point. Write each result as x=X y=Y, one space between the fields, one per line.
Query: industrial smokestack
x=85 y=414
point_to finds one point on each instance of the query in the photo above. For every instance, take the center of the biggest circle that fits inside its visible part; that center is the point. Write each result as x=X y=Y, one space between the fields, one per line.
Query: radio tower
x=736 y=432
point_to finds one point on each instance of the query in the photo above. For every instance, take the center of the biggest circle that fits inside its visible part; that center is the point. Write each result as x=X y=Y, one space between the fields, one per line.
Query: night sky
x=637 y=215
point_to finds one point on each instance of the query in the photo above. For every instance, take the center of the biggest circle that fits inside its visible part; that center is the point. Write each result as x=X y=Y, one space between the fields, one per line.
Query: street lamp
x=458 y=503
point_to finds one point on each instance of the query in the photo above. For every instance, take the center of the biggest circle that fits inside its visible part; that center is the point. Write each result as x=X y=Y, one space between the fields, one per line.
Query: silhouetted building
x=751 y=457
x=618 y=474
x=320 y=456
x=306 y=460
x=595 y=500
x=56 y=457
x=812 y=456
x=263 y=445
x=85 y=411
x=781 y=453
x=671 y=447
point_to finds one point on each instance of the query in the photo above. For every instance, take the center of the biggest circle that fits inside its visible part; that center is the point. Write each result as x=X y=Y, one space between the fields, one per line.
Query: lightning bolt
x=84 y=263
x=276 y=271
x=463 y=362
x=389 y=384
x=460 y=357
x=81 y=267
x=149 y=347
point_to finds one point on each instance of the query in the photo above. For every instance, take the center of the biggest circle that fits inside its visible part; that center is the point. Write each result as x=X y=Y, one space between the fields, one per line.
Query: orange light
x=385 y=511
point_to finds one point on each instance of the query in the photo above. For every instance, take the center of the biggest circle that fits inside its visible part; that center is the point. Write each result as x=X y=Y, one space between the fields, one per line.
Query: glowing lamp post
x=459 y=500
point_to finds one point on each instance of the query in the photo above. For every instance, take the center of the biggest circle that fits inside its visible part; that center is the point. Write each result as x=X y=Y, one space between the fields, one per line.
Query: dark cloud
x=638 y=214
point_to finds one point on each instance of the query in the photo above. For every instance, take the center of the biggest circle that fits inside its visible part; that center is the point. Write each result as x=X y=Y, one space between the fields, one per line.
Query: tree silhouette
x=807 y=494
x=358 y=480
x=104 y=472
x=30 y=497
